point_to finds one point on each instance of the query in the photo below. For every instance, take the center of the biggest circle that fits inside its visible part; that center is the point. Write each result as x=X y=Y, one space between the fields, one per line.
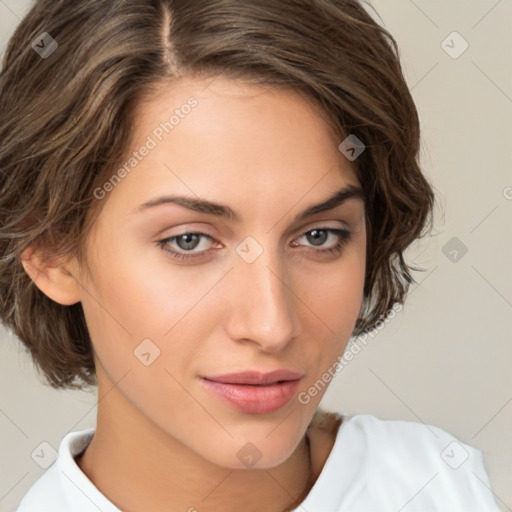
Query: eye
x=318 y=237
x=185 y=244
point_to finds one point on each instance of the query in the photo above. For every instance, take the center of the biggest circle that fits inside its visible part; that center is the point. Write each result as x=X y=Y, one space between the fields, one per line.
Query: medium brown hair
x=66 y=125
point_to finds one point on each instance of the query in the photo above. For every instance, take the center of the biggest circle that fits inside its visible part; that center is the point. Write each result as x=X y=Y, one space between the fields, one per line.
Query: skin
x=163 y=442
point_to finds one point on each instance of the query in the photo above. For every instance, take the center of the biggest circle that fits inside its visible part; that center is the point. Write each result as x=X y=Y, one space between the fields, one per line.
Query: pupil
x=190 y=241
x=317 y=236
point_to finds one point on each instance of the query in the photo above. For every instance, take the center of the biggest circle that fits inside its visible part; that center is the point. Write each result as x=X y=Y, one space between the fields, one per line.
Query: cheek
x=140 y=291
x=334 y=291
x=333 y=295
x=145 y=339
x=130 y=305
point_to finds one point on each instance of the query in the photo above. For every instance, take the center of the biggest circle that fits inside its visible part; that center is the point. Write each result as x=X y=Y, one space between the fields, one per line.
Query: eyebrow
x=222 y=211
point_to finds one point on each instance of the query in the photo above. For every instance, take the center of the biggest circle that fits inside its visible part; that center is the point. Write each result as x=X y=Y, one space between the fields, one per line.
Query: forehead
x=221 y=138
x=231 y=111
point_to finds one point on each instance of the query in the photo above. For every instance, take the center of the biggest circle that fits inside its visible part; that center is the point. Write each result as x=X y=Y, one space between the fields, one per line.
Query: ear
x=52 y=277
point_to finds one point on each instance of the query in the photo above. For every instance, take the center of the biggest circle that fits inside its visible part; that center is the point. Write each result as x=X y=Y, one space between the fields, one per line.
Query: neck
x=312 y=477
x=137 y=466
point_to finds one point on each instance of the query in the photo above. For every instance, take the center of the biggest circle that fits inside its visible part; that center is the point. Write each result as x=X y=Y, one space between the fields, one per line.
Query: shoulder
x=45 y=494
x=410 y=441
x=63 y=482
x=409 y=461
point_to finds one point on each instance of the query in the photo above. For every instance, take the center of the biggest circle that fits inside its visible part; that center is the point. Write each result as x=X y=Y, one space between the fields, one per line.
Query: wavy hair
x=66 y=121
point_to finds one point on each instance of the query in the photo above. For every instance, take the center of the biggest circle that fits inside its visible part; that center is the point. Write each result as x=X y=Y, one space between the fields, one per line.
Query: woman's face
x=264 y=287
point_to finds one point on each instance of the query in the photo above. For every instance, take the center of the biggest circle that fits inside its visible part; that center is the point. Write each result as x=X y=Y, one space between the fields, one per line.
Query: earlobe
x=52 y=277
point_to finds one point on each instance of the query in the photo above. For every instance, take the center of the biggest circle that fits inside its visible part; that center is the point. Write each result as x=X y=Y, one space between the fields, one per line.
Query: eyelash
x=344 y=237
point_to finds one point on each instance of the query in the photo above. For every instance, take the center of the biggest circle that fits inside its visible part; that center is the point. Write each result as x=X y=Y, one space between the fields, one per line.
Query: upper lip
x=255 y=377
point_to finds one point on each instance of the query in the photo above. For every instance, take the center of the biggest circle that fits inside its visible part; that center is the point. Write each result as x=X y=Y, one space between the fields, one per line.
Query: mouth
x=256 y=378
x=254 y=392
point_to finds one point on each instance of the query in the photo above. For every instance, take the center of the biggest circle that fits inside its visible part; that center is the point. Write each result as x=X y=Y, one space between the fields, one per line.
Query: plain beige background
x=445 y=359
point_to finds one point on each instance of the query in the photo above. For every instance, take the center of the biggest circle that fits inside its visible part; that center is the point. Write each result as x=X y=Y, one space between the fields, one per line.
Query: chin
x=253 y=452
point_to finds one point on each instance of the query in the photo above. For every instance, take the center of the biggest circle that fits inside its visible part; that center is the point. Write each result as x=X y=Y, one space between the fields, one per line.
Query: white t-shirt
x=374 y=465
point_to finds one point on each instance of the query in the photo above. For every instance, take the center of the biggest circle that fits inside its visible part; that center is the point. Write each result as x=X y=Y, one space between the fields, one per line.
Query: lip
x=253 y=392
x=255 y=377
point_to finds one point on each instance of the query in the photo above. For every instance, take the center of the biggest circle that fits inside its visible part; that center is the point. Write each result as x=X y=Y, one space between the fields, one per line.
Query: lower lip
x=254 y=399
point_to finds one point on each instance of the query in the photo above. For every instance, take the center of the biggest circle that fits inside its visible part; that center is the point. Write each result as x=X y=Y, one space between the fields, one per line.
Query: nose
x=263 y=304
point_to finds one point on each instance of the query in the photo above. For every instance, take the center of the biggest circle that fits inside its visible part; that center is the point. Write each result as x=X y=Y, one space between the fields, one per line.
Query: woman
x=201 y=203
